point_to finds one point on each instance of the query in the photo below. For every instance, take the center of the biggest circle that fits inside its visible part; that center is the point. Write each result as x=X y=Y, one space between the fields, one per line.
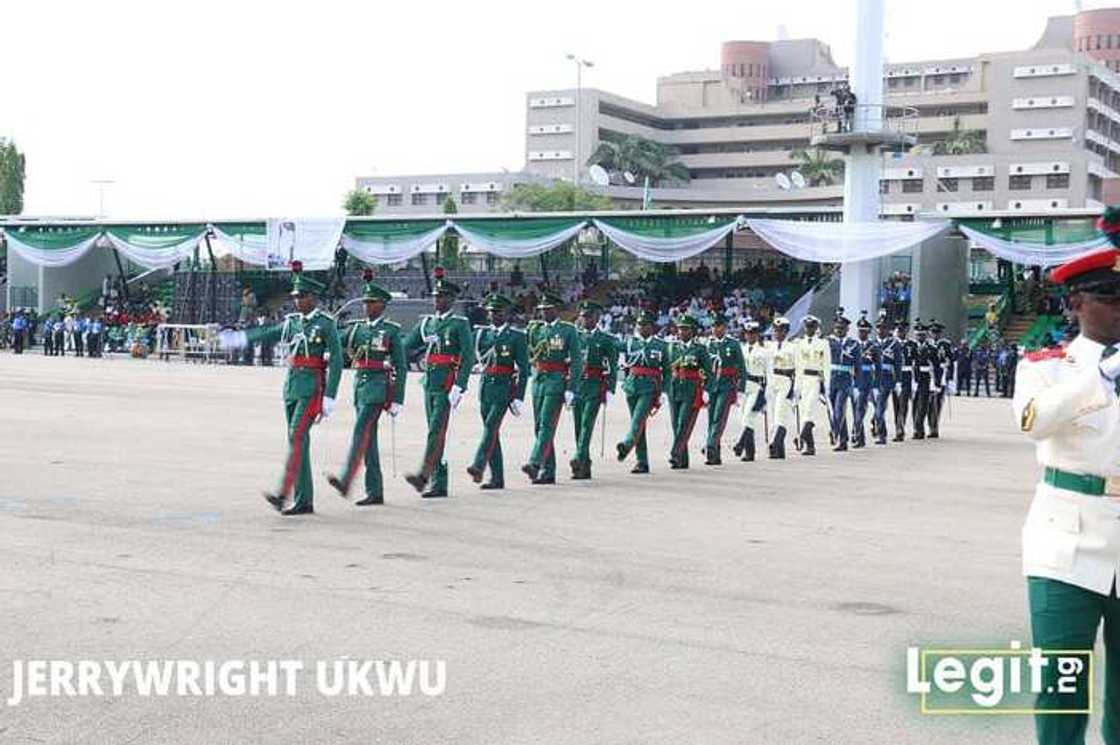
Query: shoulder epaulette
x=460 y=318
x=1053 y=353
x=516 y=330
x=394 y=324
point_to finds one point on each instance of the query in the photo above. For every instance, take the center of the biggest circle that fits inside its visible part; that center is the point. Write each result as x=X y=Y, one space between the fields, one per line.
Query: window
x=948 y=184
x=884 y=186
x=1019 y=183
x=418 y=199
x=983 y=183
x=491 y=198
x=1057 y=181
x=938 y=79
x=468 y=197
x=908 y=82
x=912 y=186
x=394 y=200
x=954 y=79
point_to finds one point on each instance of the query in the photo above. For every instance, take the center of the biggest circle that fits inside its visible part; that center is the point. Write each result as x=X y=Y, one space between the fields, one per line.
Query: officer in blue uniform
x=904 y=391
x=866 y=379
x=889 y=374
x=843 y=351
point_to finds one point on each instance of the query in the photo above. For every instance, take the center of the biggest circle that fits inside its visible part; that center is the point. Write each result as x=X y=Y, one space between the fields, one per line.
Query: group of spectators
x=980 y=365
x=894 y=296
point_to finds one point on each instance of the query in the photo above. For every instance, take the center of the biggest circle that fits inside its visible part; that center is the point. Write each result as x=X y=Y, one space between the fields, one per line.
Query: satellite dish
x=630 y=178
x=782 y=181
x=599 y=175
x=797 y=179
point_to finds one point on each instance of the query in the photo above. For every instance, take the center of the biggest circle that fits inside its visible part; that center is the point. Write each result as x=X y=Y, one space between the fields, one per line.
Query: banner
x=519 y=238
x=841 y=242
x=156 y=246
x=247 y=241
x=390 y=243
x=313 y=241
x=51 y=246
x=665 y=240
x=1033 y=254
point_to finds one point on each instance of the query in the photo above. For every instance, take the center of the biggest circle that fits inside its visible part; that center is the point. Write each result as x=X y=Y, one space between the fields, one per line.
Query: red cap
x=1107 y=259
x=297 y=266
x=367 y=274
x=438 y=272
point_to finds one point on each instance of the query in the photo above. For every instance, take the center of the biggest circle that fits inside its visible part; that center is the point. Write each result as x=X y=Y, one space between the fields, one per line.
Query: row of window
x=1099 y=41
x=466 y=197
x=979 y=183
x=749 y=70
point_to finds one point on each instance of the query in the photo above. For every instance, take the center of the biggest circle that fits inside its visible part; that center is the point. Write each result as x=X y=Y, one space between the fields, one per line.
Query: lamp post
x=101 y=184
x=580 y=64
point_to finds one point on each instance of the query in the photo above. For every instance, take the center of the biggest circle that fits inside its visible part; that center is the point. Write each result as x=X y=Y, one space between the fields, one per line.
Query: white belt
x=924 y=368
x=907 y=368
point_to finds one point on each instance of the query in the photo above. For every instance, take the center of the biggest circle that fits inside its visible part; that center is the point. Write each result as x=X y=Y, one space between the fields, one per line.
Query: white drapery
x=393 y=249
x=1033 y=254
x=252 y=248
x=155 y=257
x=312 y=241
x=52 y=257
x=665 y=250
x=841 y=242
x=522 y=248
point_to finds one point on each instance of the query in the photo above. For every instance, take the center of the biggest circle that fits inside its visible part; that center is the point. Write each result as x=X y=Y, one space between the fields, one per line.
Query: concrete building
x=424 y=195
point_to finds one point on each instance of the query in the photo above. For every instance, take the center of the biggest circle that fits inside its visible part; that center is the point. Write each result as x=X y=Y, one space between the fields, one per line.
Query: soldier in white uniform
x=1066 y=401
x=756 y=354
x=782 y=394
x=814 y=369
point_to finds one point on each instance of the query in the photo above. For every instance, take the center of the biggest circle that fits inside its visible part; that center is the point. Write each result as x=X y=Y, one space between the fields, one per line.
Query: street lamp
x=580 y=64
x=101 y=184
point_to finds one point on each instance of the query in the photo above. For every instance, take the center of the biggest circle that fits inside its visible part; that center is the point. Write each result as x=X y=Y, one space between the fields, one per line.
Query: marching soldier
x=866 y=379
x=692 y=368
x=927 y=375
x=596 y=389
x=813 y=372
x=904 y=391
x=756 y=359
x=727 y=382
x=381 y=368
x=448 y=344
x=946 y=355
x=783 y=376
x=843 y=353
x=311 y=336
x=889 y=375
x=1066 y=402
x=646 y=362
x=554 y=350
x=503 y=353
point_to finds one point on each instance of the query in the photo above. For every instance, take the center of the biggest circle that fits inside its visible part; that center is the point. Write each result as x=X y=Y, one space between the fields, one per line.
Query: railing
x=830 y=119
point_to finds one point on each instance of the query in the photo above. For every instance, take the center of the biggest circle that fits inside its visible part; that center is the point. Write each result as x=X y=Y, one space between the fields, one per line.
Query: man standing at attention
x=727 y=382
x=692 y=368
x=595 y=391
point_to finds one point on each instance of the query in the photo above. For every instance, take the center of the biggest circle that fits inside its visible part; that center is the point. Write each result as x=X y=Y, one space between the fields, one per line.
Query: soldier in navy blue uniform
x=927 y=383
x=981 y=359
x=946 y=356
x=904 y=392
x=889 y=374
x=843 y=351
x=866 y=379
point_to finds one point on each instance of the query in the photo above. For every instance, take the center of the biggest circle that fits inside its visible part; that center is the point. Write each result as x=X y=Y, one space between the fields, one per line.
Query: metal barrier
x=901 y=121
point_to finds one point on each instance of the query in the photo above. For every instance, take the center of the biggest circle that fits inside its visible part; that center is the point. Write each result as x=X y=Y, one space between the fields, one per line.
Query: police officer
x=927 y=376
x=727 y=382
x=981 y=361
x=646 y=364
x=554 y=350
x=596 y=389
x=448 y=344
x=783 y=377
x=843 y=352
x=813 y=373
x=1066 y=401
x=866 y=380
x=502 y=352
x=381 y=369
x=310 y=388
x=904 y=391
x=756 y=356
x=691 y=369
x=946 y=358
x=889 y=376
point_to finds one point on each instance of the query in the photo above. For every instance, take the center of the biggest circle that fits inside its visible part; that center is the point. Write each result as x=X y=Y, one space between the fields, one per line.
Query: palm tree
x=818 y=166
x=961 y=141
x=641 y=157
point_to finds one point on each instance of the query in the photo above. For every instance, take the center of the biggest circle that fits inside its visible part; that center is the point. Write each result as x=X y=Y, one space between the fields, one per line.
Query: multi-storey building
x=425 y=195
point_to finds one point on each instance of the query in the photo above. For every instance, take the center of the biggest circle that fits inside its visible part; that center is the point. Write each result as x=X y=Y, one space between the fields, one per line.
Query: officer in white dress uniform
x=1066 y=401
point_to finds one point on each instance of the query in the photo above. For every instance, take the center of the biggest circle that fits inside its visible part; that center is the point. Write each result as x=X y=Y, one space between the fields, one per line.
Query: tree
x=561 y=196
x=12 y=172
x=359 y=203
x=962 y=141
x=641 y=157
x=449 y=244
x=818 y=167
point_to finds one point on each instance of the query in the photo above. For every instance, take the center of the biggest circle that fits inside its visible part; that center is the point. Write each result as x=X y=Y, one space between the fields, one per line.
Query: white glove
x=898 y=389
x=230 y=339
x=569 y=397
x=607 y=398
x=431 y=339
x=394 y=409
x=328 y=406
x=664 y=399
x=516 y=406
x=935 y=390
x=1110 y=367
x=704 y=396
x=454 y=396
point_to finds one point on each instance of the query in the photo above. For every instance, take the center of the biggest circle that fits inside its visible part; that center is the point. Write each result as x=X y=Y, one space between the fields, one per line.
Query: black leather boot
x=807 y=445
x=748 y=444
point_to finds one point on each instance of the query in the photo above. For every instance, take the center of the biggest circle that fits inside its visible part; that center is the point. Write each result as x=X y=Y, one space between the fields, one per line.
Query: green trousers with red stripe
x=718 y=409
x=640 y=405
x=585 y=412
x=489 y=451
x=297 y=471
x=433 y=466
x=364 y=450
x=546 y=415
x=683 y=417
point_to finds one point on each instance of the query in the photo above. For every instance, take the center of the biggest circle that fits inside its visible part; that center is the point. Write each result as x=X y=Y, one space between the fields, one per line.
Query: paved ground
x=753 y=603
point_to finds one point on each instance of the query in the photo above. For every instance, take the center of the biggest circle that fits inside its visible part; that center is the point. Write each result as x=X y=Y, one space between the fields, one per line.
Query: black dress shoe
x=544 y=480
x=622 y=451
x=275 y=500
x=881 y=440
x=336 y=482
x=531 y=470
x=475 y=474
x=370 y=500
x=842 y=447
x=713 y=462
x=492 y=485
x=294 y=510
x=857 y=444
x=899 y=437
x=640 y=468
x=417 y=481
x=918 y=436
x=934 y=435
x=434 y=494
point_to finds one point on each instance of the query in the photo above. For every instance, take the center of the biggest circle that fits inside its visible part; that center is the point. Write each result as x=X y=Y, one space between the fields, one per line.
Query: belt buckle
x=1112 y=486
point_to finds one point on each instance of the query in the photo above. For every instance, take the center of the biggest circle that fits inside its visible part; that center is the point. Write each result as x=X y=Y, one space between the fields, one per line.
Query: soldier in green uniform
x=728 y=380
x=692 y=368
x=315 y=368
x=503 y=353
x=596 y=388
x=554 y=350
x=449 y=356
x=380 y=373
x=646 y=361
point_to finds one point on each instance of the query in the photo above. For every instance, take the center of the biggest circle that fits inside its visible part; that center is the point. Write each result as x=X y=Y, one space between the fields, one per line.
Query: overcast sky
x=248 y=109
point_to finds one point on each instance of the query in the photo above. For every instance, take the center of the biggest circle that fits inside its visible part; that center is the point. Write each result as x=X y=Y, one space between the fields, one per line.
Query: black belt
x=757 y=378
x=786 y=372
x=811 y=372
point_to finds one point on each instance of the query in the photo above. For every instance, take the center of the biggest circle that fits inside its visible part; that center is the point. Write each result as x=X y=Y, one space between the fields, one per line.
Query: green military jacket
x=648 y=353
x=600 y=350
x=502 y=346
x=685 y=356
x=446 y=334
x=311 y=335
x=377 y=341
x=726 y=354
x=555 y=343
